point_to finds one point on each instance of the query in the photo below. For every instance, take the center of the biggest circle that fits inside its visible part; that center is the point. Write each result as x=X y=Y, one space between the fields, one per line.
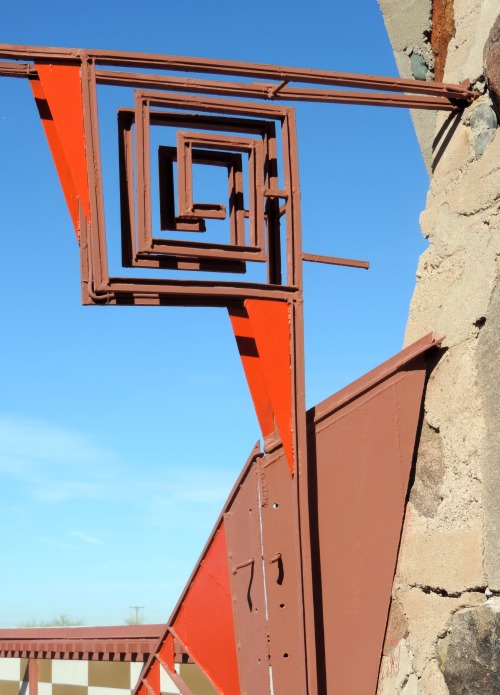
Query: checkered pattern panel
x=71 y=677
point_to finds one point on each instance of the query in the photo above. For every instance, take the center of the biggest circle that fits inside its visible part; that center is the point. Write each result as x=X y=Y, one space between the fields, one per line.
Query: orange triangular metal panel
x=62 y=89
x=58 y=155
x=363 y=454
x=252 y=365
x=271 y=324
x=166 y=652
x=204 y=623
x=153 y=678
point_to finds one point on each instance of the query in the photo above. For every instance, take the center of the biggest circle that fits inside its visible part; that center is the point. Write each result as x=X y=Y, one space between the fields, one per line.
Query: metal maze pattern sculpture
x=317 y=515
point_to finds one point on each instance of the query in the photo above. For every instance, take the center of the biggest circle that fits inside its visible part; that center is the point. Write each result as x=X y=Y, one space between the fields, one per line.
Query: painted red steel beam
x=334 y=260
x=262 y=90
x=237 y=68
x=441 y=102
x=121 y=643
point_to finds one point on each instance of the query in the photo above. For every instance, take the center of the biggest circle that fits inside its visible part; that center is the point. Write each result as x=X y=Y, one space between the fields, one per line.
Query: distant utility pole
x=137 y=609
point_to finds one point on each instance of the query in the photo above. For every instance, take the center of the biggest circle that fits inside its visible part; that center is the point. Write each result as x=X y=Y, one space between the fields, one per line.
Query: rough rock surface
x=469 y=654
x=492 y=63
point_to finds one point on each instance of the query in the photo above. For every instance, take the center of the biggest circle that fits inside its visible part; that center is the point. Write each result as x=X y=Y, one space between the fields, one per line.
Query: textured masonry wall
x=444 y=630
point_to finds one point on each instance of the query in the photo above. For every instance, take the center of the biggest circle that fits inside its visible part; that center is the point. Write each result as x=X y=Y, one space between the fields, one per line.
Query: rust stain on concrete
x=443 y=30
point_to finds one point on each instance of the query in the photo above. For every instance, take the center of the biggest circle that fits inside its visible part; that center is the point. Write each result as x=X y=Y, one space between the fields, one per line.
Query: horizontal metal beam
x=115 y=643
x=333 y=260
x=262 y=90
x=283 y=75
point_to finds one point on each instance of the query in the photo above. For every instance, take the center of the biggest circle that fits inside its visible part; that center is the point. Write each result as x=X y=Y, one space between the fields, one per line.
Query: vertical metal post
x=33 y=676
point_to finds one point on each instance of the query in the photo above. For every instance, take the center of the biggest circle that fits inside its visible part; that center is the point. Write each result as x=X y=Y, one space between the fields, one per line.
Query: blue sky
x=123 y=429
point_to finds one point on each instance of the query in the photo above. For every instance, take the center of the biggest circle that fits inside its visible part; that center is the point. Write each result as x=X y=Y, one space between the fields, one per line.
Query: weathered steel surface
x=196 y=635
x=252 y=365
x=204 y=622
x=363 y=445
x=121 y=643
x=262 y=332
x=244 y=543
x=282 y=563
x=281 y=74
x=58 y=94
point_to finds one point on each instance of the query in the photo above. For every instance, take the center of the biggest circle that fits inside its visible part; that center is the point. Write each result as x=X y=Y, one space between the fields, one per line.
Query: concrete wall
x=444 y=631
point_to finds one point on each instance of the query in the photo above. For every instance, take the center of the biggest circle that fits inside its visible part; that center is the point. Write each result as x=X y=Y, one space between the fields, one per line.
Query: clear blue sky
x=123 y=429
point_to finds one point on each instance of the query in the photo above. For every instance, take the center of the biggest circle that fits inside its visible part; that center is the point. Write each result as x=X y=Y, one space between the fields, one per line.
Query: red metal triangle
x=167 y=653
x=271 y=324
x=152 y=680
x=59 y=97
x=252 y=365
x=204 y=623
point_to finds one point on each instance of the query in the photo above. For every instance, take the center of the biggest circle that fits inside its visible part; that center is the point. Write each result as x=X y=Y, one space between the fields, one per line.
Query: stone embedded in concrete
x=483 y=117
x=426 y=493
x=483 y=125
x=408 y=25
x=428 y=615
x=469 y=655
x=419 y=67
x=450 y=548
x=492 y=63
x=482 y=141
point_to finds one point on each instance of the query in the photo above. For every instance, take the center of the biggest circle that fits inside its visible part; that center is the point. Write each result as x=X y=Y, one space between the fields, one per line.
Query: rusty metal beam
x=33 y=676
x=121 y=643
x=334 y=260
x=263 y=90
x=238 y=68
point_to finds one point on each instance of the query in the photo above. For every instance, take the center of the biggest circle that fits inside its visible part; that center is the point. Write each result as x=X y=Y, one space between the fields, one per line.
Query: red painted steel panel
x=153 y=677
x=62 y=88
x=243 y=529
x=167 y=652
x=58 y=155
x=364 y=454
x=33 y=676
x=245 y=339
x=281 y=545
x=204 y=623
x=271 y=328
